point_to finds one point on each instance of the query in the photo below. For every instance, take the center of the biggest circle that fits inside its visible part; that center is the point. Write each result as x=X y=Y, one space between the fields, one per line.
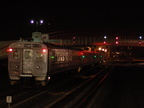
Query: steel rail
x=79 y=87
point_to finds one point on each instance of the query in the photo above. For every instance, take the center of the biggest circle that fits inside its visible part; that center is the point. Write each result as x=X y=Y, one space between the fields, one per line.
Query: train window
x=15 y=54
x=60 y=58
x=28 y=55
x=39 y=55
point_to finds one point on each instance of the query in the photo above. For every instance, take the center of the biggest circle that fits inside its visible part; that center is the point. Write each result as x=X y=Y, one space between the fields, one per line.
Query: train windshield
x=28 y=54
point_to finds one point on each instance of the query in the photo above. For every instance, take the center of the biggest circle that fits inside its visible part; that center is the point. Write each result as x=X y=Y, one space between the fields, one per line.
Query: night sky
x=69 y=15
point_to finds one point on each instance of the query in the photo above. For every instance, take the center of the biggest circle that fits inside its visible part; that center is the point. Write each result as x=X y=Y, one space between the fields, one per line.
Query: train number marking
x=9 y=99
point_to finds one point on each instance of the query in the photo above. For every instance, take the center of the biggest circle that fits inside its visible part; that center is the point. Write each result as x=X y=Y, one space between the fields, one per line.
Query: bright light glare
x=117 y=37
x=10 y=50
x=32 y=21
x=41 y=21
x=44 y=50
x=116 y=42
x=100 y=48
x=140 y=37
x=105 y=37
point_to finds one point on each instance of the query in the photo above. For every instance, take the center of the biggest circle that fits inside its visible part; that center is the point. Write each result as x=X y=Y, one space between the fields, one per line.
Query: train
x=40 y=61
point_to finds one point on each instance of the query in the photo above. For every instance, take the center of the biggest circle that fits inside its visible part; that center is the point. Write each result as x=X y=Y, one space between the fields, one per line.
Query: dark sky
x=70 y=14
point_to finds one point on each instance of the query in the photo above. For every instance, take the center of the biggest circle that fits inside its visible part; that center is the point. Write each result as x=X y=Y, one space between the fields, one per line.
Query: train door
x=27 y=62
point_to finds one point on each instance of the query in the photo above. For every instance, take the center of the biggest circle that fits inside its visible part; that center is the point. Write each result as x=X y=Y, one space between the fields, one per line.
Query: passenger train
x=40 y=61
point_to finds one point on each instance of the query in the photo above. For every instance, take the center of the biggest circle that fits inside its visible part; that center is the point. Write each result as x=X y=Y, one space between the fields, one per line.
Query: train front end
x=27 y=60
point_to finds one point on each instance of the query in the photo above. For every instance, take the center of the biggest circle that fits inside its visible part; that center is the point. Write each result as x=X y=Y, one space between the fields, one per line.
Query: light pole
x=37 y=23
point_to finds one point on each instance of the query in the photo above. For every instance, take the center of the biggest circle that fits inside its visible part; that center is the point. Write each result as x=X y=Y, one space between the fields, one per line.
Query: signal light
x=10 y=50
x=80 y=53
x=139 y=42
x=117 y=38
x=117 y=42
x=83 y=56
x=52 y=57
x=74 y=40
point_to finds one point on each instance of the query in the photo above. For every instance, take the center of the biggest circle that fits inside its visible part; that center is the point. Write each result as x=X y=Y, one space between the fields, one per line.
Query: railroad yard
x=113 y=84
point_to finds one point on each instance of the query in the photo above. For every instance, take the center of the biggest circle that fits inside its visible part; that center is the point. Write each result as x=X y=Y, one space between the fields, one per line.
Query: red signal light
x=117 y=42
x=139 y=42
x=117 y=38
x=80 y=53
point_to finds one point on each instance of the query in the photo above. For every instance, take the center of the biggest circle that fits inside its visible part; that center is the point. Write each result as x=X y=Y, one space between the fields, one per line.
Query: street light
x=105 y=37
x=41 y=21
x=37 y=22
x=32 y=21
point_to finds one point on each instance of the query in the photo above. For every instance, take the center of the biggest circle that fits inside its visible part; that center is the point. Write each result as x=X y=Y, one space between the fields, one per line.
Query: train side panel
x=63 y=59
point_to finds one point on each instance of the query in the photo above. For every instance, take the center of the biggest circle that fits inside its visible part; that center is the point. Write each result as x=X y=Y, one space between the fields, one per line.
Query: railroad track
x=82 y=95
x=57 y=93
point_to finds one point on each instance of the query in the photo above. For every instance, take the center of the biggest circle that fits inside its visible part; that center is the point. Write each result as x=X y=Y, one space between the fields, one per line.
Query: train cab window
x=15 y=54
x=28 y=54
x=39 y=55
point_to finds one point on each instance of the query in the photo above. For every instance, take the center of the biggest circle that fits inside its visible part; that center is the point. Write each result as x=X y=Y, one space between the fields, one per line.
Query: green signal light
x=101 y=56
x=95 y=56
x=52 y=57
x=83 y=56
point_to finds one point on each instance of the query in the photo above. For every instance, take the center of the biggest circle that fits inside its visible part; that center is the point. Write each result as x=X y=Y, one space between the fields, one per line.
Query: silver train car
x=41 y=61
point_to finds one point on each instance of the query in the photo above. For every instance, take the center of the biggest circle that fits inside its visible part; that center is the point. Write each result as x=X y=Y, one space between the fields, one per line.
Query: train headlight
x=37 y=67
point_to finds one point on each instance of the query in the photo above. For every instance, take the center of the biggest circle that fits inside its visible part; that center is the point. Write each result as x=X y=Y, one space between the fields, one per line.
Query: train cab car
x=26 y=59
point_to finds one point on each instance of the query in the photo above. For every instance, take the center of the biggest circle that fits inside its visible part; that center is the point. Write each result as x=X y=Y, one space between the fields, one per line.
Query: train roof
x=49 y=45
